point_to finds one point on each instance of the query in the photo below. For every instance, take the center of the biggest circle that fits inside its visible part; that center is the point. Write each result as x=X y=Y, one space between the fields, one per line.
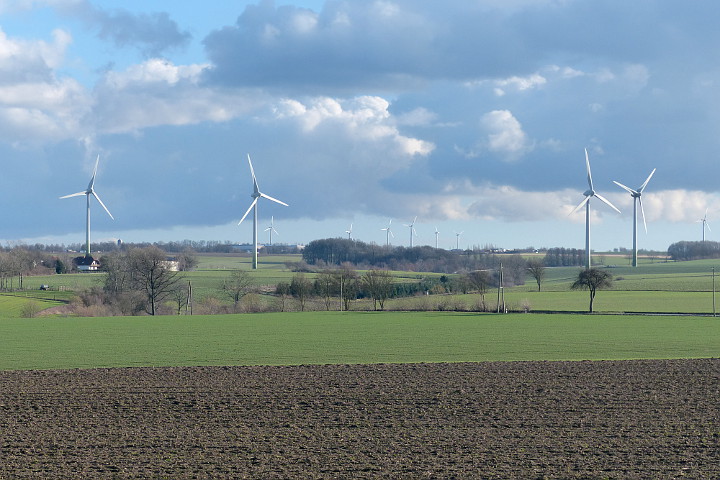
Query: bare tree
x=237 y=285
x=378 y=284
x=536 y=269
x=187 y=260
x=325 y=286
x=479 y=280
x=282 y=290
x=347 y=283
x=300 y=287
x=150 y=274
x=592 y=279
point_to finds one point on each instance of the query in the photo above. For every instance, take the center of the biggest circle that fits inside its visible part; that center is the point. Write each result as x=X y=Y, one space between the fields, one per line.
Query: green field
x=348 y=337
x=660 y=287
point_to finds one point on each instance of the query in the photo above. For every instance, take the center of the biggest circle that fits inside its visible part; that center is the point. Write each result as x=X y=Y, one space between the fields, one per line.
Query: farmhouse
x=86 y=264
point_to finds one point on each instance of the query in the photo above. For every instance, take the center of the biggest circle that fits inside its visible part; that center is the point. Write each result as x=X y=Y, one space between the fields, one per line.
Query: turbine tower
x=457 y=240
x=436 y=237
x=637 y=198
x=705 y=224
x=413 y=233
x=349 y=232
x=256 y=195
x=271 y=229
x=586 y=202
x=90 y=191
x=388 y=232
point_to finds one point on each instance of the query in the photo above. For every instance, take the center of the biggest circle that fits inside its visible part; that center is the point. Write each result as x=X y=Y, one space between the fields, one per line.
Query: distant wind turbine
x=349 y=232
x=413 y=233
x=388 y=232
x=88 y=192
x=436 y=237
x=457 y=239
x=586 y=202
x=256 y=195
x=705 y=225
x=637 y=198
x=271 y=229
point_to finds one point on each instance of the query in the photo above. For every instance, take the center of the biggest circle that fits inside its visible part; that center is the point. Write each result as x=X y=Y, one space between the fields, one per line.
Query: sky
x=472 y=116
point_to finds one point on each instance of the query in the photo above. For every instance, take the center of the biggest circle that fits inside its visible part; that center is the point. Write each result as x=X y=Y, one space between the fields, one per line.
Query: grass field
x=349 y=337
x=662 y=287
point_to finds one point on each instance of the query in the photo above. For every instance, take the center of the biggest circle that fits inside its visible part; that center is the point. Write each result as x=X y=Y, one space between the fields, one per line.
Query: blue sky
x=472 y=116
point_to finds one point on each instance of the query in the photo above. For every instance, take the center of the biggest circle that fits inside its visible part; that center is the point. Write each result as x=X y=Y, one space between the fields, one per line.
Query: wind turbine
x=349 y=232
x=637 y=198
x=705 y=224
x=271 y=228
x=90 y=191
x=586 y=202
x=412 y=230
x=256 y=195
x=457 y=239
x=388 y=232
x=436 y=237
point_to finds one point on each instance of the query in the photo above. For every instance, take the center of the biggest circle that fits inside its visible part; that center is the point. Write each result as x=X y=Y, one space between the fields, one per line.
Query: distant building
x=171 y=265
x=86 y=264
x=246 y=248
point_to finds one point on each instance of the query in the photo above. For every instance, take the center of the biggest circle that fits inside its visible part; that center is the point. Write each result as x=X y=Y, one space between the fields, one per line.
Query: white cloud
x=363 y=118
x=152 y=71
x=505 y=134
x=157 y=92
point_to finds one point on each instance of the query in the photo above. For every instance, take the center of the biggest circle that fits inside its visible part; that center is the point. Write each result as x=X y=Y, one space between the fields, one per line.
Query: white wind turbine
x=436 y=237
x=413 y=233
x=705 y=225
x=271 y=229
x=586 y=202
x=388 y=232
x=349 y=232
x=637 y=198
x=457 y=239
x=256 y=195
x=90 y=191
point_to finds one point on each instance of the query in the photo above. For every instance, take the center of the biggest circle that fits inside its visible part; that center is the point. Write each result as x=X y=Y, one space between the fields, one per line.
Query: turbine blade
x=642 y=211
x=642 y=187
x=589 y=174
x=92 y=179
x=101 y=203
x=252 y=170
x=248 y=210
x=75 y=194
x=607 y=202
x=582 y=204
x=273 y=199
x=708 y=226
x=629 y=190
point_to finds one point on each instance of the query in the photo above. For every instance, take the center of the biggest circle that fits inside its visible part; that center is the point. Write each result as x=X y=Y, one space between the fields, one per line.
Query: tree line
x=687 y=250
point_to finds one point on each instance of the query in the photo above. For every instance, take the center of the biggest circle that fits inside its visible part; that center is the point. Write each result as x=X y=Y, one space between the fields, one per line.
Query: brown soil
x=624 y=420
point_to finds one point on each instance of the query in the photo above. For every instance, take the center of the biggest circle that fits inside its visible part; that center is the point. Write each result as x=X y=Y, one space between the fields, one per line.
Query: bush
x=30 y=309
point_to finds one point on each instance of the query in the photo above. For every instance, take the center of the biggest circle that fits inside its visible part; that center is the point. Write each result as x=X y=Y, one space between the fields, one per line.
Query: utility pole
x=189 y=302
x=713 y=270
x=501 y=292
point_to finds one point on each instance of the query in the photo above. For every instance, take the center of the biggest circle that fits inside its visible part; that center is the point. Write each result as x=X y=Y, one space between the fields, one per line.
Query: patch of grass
x=15 y=305
x=348 y=337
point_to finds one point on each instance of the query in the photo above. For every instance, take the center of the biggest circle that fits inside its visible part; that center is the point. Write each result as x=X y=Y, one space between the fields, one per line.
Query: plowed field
x=614 y=419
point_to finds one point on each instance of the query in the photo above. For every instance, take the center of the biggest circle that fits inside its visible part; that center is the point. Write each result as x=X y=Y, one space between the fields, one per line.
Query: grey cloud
x=151 y=33
x=398 y=45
